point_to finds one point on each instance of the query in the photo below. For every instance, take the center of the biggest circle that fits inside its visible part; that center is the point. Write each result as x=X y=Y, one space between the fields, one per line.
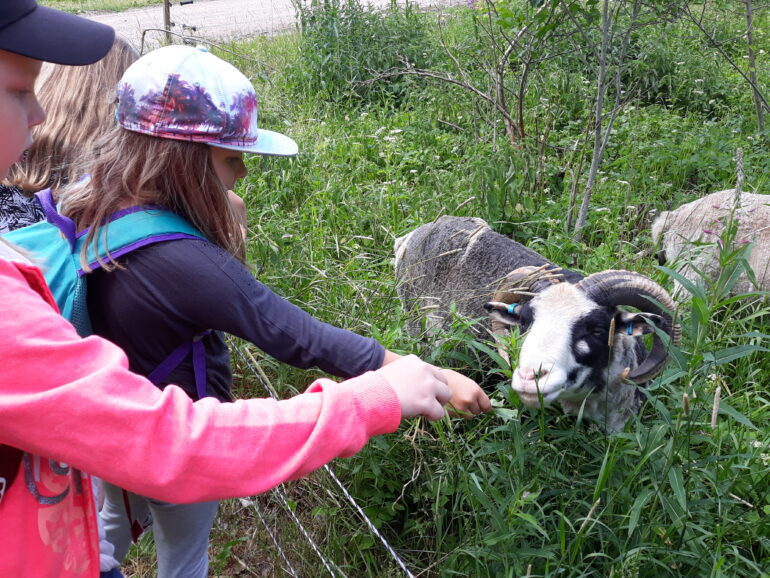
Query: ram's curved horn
x=520 y=285
x=613 y=288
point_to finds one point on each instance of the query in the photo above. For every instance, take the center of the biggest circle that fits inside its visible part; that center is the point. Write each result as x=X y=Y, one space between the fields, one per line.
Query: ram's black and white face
x=566 y=354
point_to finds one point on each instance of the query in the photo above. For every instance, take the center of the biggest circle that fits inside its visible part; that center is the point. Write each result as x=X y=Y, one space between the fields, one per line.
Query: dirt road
x=216 y=20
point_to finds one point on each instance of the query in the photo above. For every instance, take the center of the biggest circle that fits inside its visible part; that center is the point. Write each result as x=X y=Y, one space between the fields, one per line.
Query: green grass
x=516 y=492
x=78 y=6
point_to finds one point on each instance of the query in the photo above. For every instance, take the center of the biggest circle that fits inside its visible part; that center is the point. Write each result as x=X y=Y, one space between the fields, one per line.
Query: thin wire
x=279 y=492
x=305 y=533
x=369 y=523
x=255 y=507
x=189 y=39
x=253 y=366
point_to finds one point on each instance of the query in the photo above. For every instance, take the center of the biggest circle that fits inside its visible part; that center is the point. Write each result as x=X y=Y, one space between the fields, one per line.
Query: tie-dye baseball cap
x=186 y=93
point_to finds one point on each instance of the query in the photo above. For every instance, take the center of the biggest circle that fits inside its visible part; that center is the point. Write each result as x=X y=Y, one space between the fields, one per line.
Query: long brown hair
x=136 y=169
x=80 y=103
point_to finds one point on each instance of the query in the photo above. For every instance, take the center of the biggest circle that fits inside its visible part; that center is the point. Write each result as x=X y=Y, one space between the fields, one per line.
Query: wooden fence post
x=167 y=19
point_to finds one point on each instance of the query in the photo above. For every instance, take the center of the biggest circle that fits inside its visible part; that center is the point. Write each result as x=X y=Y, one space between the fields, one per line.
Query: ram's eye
x=597 y=332
x=525 y=320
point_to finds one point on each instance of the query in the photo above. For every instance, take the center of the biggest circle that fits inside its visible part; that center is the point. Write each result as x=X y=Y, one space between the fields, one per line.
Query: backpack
x=57 y=246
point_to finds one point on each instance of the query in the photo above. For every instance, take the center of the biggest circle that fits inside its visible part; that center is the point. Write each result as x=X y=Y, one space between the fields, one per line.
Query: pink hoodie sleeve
x=74 y=400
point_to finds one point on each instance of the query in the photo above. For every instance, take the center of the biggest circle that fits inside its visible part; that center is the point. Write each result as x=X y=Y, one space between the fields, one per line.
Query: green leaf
x=506 y=414
x=364 y=541
x=689 y=286
x=726 y=409
x=492 y=353
x=733 y=353
x=676 y=480
x=636 y=509
x=604 y=473
x=530 y=519
x=700 y=310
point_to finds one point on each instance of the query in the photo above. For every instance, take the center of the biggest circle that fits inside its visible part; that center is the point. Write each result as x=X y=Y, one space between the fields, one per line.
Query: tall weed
x=345 y=42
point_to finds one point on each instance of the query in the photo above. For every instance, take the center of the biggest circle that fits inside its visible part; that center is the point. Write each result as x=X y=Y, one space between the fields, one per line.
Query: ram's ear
x=636 y=323
x=505 y=313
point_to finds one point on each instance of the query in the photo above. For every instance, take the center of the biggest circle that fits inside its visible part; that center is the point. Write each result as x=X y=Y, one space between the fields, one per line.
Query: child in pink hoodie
x=69 y=405
x=72 y=403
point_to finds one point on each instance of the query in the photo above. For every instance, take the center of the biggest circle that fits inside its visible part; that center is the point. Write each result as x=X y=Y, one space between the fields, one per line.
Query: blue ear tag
x=512 y=308
x=630 y=329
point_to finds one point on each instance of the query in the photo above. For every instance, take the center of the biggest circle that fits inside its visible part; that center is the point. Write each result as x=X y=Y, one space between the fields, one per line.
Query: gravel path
x=216 y=20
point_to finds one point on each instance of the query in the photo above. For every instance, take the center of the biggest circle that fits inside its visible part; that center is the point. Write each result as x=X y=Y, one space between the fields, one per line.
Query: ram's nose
x=530 y=374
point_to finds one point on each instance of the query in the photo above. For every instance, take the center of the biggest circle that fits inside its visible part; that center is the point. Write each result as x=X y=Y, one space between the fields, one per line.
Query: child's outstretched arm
x=468 y=399
x=248 y=309
x=74 y=400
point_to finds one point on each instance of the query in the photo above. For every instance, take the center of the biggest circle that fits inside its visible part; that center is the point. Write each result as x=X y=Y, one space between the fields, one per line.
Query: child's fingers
x=443 y=393
x=435 y=411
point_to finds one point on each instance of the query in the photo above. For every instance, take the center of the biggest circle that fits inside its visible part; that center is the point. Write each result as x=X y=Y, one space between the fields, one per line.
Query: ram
x=689 y=236
x=580 y=347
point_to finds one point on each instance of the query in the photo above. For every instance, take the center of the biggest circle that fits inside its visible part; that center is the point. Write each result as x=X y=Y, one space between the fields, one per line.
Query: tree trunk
x=758 y=106
x=601 y=90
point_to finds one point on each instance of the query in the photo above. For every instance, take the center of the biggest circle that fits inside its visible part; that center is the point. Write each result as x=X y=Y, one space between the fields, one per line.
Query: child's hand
x=468 y=399
x=421 y=388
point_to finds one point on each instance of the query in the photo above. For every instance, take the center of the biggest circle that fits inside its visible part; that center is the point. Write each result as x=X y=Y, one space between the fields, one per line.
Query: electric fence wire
x=277 y=490
x=253 y=366
x=369 y=523
x=288 y=565
x=327 y=564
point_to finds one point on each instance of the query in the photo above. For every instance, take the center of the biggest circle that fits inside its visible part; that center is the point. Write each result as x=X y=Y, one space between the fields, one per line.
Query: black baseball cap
x=46 y=34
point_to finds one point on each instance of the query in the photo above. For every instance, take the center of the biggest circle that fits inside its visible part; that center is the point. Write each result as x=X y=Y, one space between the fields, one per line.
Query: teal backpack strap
x=59 y=246
x=52 y=244
x=130 y=229
x=136 y=227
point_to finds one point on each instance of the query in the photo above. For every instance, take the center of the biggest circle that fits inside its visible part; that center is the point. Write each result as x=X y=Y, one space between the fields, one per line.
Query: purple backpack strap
x=64 y=224
x=176 y=357
x=199 y=365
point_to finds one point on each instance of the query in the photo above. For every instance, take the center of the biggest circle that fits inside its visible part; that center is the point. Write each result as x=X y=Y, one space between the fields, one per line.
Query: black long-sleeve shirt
x=169 y=292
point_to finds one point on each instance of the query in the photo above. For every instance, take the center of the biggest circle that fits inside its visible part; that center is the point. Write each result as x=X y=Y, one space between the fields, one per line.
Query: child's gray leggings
x=181 y=531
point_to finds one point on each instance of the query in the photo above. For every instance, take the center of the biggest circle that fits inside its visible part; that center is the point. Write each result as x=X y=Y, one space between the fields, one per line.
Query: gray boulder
x=688 y=236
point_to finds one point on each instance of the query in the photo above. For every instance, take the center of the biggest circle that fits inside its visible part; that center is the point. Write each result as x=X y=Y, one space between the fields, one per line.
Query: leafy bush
x=345 y=43
x=670 y=66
